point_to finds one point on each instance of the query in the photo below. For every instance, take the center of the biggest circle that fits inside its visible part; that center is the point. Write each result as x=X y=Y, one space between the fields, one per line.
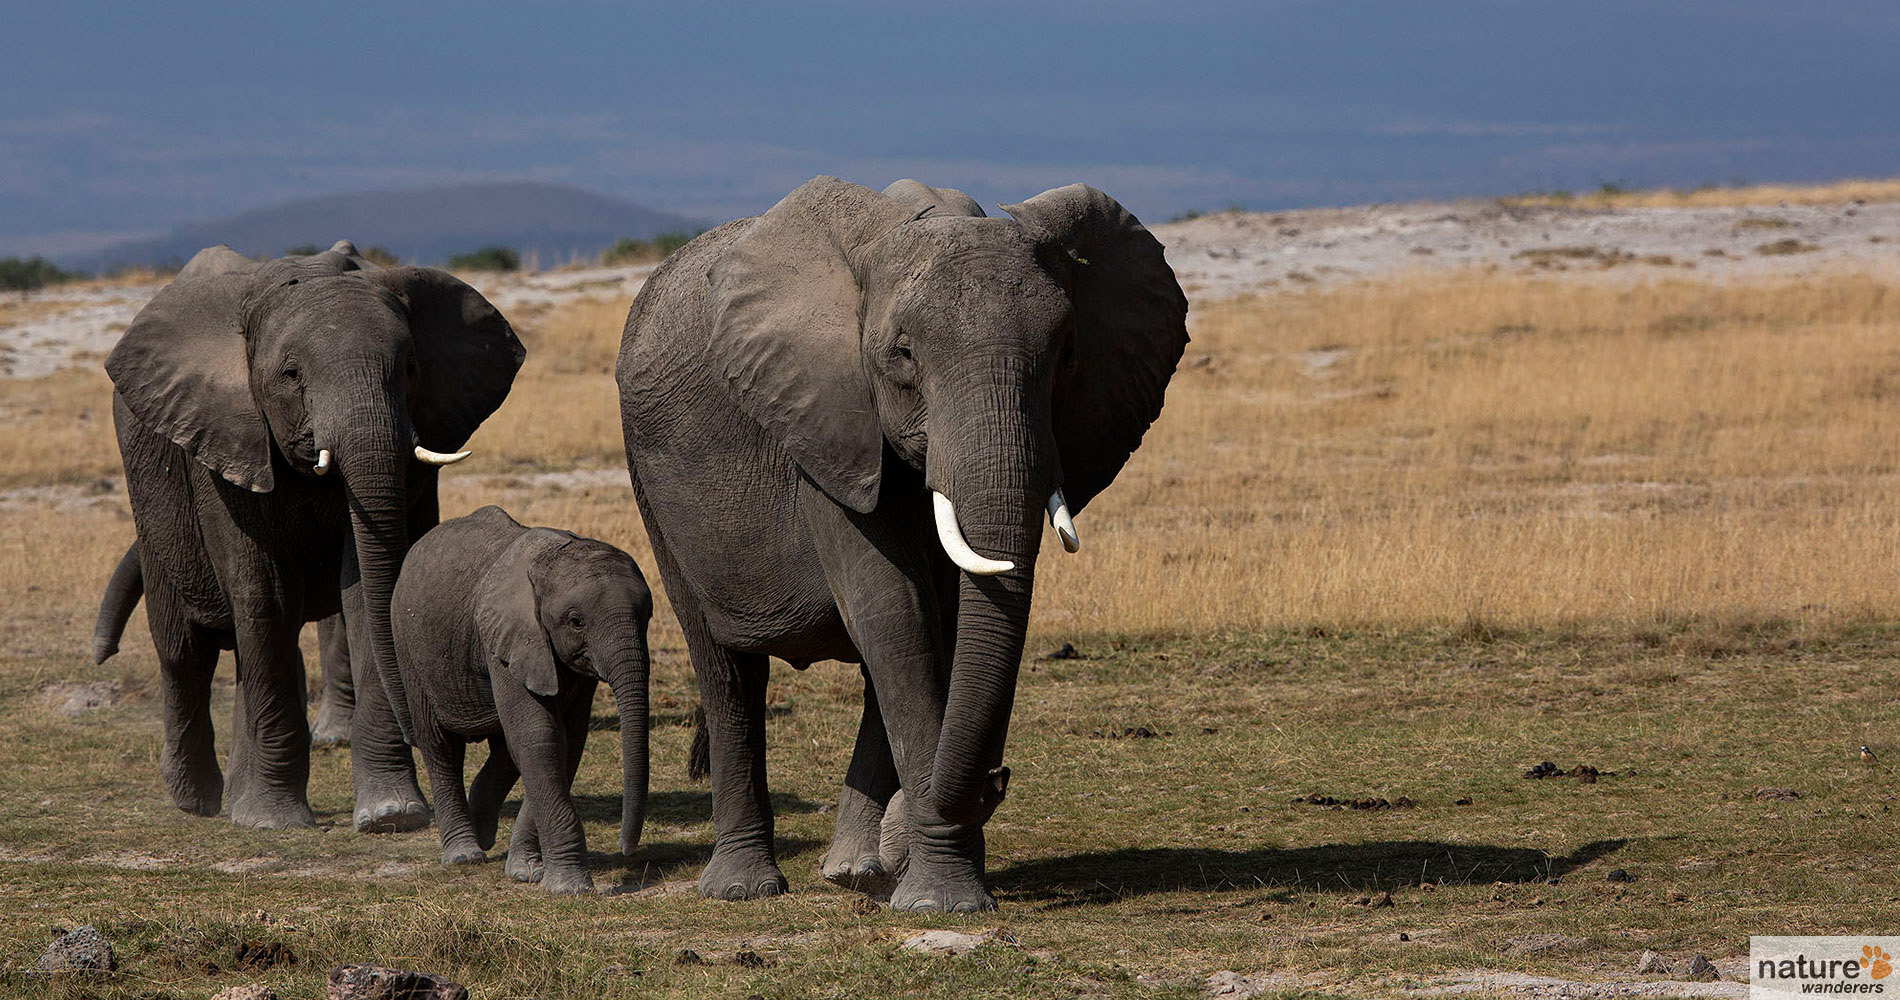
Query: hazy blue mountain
x=551 y=222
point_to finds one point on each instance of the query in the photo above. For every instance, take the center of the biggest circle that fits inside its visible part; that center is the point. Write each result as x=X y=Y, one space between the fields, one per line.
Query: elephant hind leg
x=187 y=659
x=489 y=791
x=338 y=704
x=856 y=859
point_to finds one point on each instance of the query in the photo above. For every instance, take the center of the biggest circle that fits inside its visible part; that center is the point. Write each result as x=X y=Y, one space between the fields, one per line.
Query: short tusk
x=323 y=462
x=950 y=536
x=1064 y=523
x=438 y=458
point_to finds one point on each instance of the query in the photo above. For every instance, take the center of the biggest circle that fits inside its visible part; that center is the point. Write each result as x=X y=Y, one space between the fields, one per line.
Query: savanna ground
x=1391 y=539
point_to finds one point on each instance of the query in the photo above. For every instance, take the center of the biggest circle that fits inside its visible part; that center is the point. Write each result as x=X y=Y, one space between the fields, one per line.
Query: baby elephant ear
x=508 y=612
x=182 y=370
x=1130 y=330
x=786 y=333
x=466 y=353
x=932 y=202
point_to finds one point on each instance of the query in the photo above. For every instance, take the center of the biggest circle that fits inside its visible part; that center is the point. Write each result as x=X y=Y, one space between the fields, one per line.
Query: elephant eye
x=574 y=621
x=292 y=373
x=903 y=346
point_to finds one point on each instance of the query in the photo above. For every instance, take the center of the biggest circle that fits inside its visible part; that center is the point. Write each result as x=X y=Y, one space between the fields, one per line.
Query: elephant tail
x=115 y=609
x=699 y=758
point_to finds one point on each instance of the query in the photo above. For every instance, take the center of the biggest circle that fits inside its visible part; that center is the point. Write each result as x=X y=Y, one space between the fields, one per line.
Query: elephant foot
x=199 y=798
x=524 y=866
x=741 y=874
x=331 y=728
x=945 y=883
x=569 y=882
x=867 y=874
x=393 y=814
x=272 y=813
x=462 y=854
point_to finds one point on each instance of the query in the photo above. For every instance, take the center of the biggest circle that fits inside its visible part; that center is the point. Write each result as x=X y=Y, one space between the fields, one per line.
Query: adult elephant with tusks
x=282 y=423
x=845 y=420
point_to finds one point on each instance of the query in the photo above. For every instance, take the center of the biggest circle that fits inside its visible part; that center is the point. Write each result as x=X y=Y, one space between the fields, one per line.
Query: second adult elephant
x=844 y=420
x=281 y=425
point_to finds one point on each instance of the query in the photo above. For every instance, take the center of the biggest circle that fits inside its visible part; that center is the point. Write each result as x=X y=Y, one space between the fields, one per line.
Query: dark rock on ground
x=1619 y=875
x=373 y=982
x=82 y=949
x=1701 y=969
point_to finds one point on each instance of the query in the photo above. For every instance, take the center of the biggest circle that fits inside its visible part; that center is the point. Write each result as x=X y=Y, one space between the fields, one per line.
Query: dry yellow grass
x=1833 y=193
x=1514 y=450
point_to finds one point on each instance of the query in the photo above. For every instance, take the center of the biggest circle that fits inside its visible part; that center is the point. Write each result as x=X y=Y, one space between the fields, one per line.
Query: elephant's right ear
x=786 y=331
x=182 y=370
x=508 y=612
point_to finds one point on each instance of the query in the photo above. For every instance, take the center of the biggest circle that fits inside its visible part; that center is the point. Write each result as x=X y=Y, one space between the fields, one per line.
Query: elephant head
x=305 y=366
x=1016 y=363
x=554 y=601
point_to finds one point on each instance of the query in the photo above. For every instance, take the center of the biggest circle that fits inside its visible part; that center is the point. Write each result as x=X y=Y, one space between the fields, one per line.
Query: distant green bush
x=382 y=255
x=26 y=274
x=629 y=251
x=489 y=258
x=303 y=250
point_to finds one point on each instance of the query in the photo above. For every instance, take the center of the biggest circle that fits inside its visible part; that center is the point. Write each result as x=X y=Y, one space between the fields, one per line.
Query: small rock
x=249 y=991
x=1067 y=652
x=1652 y=963
x=949 y=942
x=70 y=698
x=1701 y=969
x=1404 y=936
x=688 y=956
x=1464 y=800
x=1619 y=875
x=1228 y=983
x=373 y=982
x=82 y=949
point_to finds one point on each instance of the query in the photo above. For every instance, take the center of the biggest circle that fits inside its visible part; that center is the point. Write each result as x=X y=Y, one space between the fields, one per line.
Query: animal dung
x=1582 y=772
x=1366 y=803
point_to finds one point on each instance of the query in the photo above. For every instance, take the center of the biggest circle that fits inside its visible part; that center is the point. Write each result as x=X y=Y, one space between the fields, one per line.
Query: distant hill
x=551 y=222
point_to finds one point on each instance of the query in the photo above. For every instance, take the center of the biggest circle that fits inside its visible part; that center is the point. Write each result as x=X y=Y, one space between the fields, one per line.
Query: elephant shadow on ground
x=1104 y=876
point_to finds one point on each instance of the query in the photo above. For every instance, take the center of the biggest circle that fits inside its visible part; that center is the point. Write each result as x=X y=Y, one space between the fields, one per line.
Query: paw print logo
x=1878 y=963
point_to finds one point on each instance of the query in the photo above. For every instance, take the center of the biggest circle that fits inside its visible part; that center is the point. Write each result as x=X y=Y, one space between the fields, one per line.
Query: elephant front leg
x=338 y=702
x=857 y=858
x=552 y=845
x=444 y=754
x=383 y=772
x=270 y=742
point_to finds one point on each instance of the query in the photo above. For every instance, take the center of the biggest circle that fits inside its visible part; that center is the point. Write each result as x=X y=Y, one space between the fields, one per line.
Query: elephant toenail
x=735 y=891
x=924 y=904
x=966 y=907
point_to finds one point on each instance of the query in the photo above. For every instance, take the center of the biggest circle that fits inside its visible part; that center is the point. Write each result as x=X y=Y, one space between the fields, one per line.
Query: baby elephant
x=502 y=632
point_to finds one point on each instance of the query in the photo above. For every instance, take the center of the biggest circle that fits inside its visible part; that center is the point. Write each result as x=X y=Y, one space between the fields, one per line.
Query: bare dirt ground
x=1222 y=255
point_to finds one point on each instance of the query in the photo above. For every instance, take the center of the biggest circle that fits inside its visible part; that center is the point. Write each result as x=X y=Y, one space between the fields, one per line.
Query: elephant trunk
x=628 y=678
x=998 y=490
x=374 y=457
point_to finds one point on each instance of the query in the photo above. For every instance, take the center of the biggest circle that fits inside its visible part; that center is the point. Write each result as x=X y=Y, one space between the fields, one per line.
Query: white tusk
x=951 y=537
x=323 y=462
x=438 y=458
x=1064 y=523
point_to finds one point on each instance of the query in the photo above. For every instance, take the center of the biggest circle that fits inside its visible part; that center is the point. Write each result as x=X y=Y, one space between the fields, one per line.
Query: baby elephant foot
x=524 y=866
x=741 y=874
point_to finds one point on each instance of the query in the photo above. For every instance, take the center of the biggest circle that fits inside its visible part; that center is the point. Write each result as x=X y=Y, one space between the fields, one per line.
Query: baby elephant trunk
x=629 y=683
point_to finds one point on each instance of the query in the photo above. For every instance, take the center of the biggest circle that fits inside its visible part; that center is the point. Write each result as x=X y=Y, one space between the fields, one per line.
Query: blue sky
x=124 y=119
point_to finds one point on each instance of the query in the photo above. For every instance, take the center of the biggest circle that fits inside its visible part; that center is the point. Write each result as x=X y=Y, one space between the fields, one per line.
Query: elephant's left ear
x=508 y=612
x=1130 y=330
x=466 y=352
x=182 y=370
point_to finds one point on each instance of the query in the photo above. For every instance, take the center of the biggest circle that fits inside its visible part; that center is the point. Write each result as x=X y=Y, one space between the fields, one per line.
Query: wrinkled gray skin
x=226 y=386
x=502 y=633
x=792 y=389
x=336 y=704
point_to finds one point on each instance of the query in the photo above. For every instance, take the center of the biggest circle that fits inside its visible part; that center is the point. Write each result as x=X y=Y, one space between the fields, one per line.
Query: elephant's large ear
x=934 y=201
x=466 y=353
x=220 y=259
x=1130 y=330
x=182 y=370
x=508 y=612
x=786 y=331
